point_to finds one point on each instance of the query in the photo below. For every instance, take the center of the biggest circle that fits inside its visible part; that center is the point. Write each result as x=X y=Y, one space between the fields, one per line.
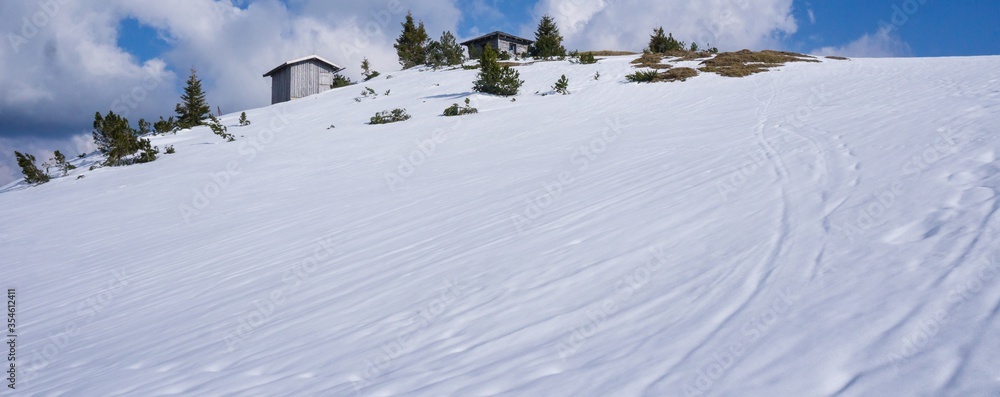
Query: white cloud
x=881 y=44
x=626 y=24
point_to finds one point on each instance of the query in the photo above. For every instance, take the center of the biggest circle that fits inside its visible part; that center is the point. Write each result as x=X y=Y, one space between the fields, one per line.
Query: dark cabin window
x=513 y=48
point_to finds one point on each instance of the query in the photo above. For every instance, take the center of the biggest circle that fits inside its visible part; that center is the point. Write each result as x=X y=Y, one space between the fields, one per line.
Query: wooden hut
x=301 y=77
x=500 y=41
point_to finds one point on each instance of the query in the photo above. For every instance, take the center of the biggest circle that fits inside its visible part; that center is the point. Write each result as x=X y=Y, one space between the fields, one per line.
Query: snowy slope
x=822 y=229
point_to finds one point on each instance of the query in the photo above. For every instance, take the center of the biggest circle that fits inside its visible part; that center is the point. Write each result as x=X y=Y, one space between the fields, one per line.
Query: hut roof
x=303 y=59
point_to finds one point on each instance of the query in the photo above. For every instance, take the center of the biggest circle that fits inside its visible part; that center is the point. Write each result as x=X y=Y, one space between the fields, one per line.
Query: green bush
x=642 y=76
x=660 y=44
x=495 y=79
x=587 y=58
x=243 y=120
x=32 y=174
x=170 y=150
x=165 y=126
x=387 y=116
x=117 y=140
x=340 y=81
x=455 y=110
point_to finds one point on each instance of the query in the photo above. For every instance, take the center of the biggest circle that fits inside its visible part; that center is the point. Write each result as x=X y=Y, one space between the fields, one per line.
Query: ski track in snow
x=817 y=230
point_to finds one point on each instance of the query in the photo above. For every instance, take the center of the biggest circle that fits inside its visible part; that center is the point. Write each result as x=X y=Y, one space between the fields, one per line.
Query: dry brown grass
x=652 y=61
x=837 y=58
x=744 y=63
x=606 y=53
x=677 y=74
x=514 y=64
x=685 y=55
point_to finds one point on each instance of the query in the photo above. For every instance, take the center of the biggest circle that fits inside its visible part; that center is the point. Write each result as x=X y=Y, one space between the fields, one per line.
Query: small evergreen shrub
x=597 y=76
x=165 y=126
x=144 y=127
x=642 y=76
x=562 y=85
x=366 y=70
x=694 y=47
x=494 y=78
x=59 y=161
x=504 y=56
x=587 y=58
x=170 y=150
x=117 y=140
x=340 y=81
x=32 y=174
x=243 y=120
x=660 y=43
x=455 y=110
x=387 y=116
x=220 y=129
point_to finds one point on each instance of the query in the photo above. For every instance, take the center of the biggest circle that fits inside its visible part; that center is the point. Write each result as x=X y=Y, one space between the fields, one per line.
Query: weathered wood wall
x=301 y=80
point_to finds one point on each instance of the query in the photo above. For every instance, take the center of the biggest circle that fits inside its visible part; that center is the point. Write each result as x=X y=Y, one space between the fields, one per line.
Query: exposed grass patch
x=837 y=58
x=651 y=61
x=744 y=63
x=685 y=55
x=653 y=76
x=514 y=64
x=605 y=53
x=677 y=74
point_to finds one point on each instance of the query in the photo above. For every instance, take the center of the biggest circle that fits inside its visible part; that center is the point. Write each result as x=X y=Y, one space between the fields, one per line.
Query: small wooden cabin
x=301 y=77
x=500 y=41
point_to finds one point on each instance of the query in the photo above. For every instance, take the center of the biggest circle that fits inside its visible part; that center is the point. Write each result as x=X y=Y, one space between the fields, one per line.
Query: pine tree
x=32 y=174
x=411 y=46
x=193 y=107
x=445 y=52
x=548 y=42
x=243 y=119
x=452 y=51
x=495 y=79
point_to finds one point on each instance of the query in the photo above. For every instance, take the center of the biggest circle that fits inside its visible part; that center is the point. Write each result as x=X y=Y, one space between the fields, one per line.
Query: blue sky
x=93 y=54
x=938 y=28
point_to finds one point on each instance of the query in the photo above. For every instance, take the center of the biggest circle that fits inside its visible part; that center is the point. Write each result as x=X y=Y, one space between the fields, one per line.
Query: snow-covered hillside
x=822 y=229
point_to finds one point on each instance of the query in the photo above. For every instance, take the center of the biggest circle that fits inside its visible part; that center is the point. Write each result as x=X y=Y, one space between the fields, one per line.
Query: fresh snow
x=817 y=230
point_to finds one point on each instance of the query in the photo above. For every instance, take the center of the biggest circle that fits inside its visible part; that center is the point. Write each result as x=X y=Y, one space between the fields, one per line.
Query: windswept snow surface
x=821 y=229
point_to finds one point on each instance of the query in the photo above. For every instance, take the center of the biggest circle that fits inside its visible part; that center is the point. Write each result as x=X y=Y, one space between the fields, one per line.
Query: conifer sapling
x=32 y=174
